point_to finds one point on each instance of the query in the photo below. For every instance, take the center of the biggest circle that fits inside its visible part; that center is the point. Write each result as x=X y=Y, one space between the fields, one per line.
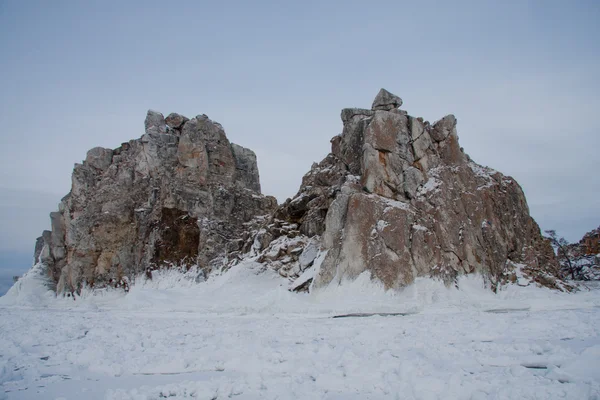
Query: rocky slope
x=178 y=196
x=589 y=245
x=396 y=197
x=583 y=257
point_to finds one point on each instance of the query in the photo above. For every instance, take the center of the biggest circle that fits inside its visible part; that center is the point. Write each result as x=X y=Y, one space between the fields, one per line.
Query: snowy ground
x=244 y=335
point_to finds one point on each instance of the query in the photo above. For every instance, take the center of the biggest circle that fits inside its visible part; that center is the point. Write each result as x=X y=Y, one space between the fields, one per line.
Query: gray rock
x=443 y=128
x=155 y=123
x=246 y=170
x=386 y=101
x=413 y=179
x=309 y=253
x=399 y=199
x=175 y=121
x=99 y=158
x=167 y=200
x=349 y=113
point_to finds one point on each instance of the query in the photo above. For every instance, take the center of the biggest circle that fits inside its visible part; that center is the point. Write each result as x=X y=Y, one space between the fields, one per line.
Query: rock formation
x=398 y=197
x=581 y=261
x=180 y=195
x=589 y=245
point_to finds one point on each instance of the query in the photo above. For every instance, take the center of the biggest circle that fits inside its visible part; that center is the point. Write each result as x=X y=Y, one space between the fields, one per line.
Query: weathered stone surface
x=443 y=128
x=413 y=179
x=386 y=101
x=99 y=157
x=369 y=242
x=155 y=122
x=399 y=199
x=319 y=186
x=349 y=113
x=163 y=200
x=589 y=245
x=246 y=167
x=176 y=121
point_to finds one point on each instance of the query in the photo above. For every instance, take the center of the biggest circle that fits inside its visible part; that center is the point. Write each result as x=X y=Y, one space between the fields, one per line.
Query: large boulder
x=176 y=121
x=99 y=158
x=386 y=101
x=155 y=122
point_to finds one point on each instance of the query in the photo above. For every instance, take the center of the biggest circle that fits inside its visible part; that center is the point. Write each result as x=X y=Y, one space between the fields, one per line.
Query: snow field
x=243 y=335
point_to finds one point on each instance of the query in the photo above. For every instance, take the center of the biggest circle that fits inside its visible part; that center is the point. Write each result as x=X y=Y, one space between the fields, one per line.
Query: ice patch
x=481 y=171
x=431 y=186
x=32 y=289
x=392 y=203
x=381 y=225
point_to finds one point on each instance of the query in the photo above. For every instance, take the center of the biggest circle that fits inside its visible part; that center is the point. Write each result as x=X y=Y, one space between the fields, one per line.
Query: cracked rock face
x=398 y=197
x=175 y=197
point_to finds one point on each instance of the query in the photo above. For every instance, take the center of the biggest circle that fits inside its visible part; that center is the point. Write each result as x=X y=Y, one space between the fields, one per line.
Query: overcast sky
x=522 y=77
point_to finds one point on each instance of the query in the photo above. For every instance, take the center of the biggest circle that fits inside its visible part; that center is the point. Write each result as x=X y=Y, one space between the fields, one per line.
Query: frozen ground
x=242 y=335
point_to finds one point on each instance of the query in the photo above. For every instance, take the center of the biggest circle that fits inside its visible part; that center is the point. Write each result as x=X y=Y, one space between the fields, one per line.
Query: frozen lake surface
x=243 y=335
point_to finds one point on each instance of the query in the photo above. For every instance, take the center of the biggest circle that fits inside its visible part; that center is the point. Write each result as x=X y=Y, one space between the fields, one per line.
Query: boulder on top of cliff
x=155 y=122
x=99 y=158
x=386 y=101
x=176 y=121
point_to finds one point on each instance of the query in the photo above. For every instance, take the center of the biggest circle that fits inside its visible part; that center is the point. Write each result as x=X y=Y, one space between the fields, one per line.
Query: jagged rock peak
x=178 y=196
x=155 y=122
x=398 y=198
x=386 y=101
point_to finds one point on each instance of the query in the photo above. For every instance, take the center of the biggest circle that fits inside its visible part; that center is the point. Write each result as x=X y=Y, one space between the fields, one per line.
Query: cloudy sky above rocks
x=521 y=77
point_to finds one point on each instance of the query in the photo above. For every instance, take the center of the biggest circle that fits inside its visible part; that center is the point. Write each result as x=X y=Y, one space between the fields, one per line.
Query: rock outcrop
x=581 y=261
x=399 y=198
x=178 y=196
x=589 y=245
